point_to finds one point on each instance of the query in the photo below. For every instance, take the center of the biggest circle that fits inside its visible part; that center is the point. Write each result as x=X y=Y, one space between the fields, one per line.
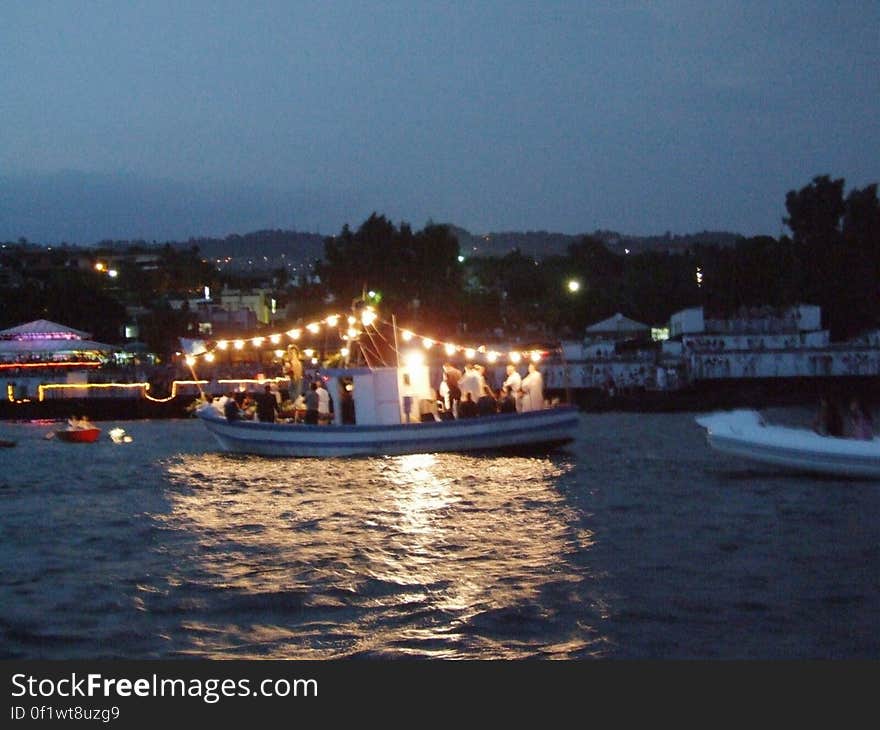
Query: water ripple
x=637 y=542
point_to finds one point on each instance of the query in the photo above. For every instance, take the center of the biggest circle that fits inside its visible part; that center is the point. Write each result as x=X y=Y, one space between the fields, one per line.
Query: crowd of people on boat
x=271 y=404
x=855 y=422
x=468 y=394
x=461 y=394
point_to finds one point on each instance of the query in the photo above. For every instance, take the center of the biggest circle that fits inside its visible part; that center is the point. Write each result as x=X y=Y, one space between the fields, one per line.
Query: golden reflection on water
x=416 y=554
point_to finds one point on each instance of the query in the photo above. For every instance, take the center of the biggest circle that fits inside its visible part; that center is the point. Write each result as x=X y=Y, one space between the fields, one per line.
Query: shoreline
x=700 y=397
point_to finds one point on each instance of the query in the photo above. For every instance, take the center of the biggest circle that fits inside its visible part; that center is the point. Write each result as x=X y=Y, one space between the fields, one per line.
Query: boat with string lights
x=387 y=408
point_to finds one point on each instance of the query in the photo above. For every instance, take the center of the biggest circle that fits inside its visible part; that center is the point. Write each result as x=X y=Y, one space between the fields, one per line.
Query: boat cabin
x=381 y=396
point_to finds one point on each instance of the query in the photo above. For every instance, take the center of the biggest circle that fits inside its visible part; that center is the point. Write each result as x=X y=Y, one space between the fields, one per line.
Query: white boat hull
x=743 y=434
x=536 y=429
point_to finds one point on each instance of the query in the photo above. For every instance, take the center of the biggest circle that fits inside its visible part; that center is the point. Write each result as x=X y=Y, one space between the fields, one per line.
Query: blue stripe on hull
x=551 y=427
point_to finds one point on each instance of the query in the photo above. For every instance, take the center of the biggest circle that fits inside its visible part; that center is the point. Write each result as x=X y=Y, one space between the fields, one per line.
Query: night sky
x=164 y=120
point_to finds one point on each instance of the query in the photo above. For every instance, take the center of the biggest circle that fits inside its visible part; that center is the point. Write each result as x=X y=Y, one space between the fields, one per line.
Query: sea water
x=637 y=541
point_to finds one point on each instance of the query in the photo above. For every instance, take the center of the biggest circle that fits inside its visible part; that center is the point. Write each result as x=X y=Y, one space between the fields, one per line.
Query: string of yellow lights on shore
x=351 y=334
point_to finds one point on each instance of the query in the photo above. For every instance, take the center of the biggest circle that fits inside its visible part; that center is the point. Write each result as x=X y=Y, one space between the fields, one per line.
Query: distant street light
x=574 y=285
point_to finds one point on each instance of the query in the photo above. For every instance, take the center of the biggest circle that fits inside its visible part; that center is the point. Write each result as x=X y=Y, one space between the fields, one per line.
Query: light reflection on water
x=637 y=542
x=431 y=555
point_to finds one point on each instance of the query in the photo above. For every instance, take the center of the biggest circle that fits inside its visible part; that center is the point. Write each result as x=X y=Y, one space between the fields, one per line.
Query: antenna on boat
x=357 y=306
x=396 y=348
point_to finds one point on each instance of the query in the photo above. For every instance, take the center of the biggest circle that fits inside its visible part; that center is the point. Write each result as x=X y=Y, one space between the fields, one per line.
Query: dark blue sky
x=170 y=119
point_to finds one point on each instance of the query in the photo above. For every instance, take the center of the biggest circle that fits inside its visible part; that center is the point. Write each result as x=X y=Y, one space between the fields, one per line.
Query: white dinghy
x=744 y=433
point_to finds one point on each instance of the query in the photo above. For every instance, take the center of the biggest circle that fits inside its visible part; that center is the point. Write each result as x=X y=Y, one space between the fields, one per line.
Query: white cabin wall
x=364 y=395
x=414 y=381
x=387 y=396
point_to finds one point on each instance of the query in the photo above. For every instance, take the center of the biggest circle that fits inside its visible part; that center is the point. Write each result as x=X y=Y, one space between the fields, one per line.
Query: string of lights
x=368 y=319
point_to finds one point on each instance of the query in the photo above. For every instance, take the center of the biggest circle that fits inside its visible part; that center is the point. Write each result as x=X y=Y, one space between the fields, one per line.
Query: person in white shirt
x=471 y=382
x=323 y=404
x=532 y=388
x=443 y=392
x=513 y=381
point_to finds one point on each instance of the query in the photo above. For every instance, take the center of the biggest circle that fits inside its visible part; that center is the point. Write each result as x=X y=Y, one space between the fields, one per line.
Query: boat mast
x=396 y=348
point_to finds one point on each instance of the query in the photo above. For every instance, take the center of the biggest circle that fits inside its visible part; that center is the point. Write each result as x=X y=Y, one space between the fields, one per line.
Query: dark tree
x=835 y=244
x=418 y=274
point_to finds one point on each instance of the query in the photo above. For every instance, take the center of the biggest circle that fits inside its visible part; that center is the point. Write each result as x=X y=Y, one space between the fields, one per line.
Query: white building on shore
x=758 y=343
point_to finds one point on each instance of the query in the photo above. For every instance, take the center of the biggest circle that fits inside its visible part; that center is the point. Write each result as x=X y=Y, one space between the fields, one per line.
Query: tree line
x=831 y=258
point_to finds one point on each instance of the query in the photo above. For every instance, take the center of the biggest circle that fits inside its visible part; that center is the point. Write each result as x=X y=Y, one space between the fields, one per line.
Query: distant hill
x=272 y=249
x=262 y=249
x=541 y=243
x=122 y=209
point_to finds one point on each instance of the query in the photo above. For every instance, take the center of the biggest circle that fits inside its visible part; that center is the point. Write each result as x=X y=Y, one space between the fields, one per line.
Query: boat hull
x=743 y=434
x=541 y=430
x=79 y=436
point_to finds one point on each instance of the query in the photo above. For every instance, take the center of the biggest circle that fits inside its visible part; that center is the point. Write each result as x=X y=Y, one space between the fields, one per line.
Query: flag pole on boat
x=192 y=349
x=396 y=348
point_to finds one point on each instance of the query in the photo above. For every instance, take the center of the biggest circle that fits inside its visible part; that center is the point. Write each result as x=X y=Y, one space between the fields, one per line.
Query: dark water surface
x=636 y=542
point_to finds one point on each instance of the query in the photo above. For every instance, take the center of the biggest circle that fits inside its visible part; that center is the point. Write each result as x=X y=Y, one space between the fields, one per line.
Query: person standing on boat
x=532 y=389
x=267 y=405
x=471 y=383
x=514 y=382
x=312 y=405
x=443 y=396
x=323 y=403
x=452 y=375
x=293 y=369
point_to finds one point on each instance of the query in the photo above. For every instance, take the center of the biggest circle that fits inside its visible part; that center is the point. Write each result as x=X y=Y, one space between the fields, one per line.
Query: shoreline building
x=40 y=352
x=767 y=343
x=758 y=344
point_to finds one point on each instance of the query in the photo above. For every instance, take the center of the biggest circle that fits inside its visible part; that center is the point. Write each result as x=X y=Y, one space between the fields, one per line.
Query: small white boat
x=744 y=433
x=389 y=422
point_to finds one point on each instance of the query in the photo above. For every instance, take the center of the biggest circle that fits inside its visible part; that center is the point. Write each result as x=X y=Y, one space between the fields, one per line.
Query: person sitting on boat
x=276 y=393
x=298 y=408
x=860 y=426
x=312 y=400
x=507 y=401
x=486 y=403
x=467 y=408
x=828 y=421
x=231 y=409
x=247 y=404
